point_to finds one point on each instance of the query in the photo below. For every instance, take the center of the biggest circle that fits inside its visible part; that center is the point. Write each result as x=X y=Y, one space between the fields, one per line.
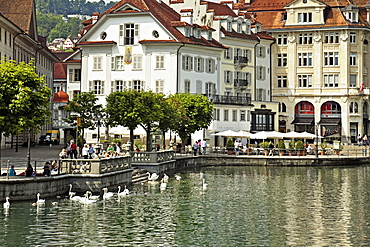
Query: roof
x=61 y=96
x=220 y=9
x=20 y=12
x=238 y=35
x=62 y=54
x=60 y=71
x=168 y=18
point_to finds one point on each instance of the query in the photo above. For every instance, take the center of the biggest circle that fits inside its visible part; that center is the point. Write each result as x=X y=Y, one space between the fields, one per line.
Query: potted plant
x=265 y=146
x=230 y=146
x=281 y=147
x=291 y=148
x=323 y=146
x=299 y=146
x=138 y=145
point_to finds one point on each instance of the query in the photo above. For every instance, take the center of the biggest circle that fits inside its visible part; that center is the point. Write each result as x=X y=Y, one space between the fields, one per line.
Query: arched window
x=282 y=107
x=304 y=107
x=330 y=107
x=353 y=107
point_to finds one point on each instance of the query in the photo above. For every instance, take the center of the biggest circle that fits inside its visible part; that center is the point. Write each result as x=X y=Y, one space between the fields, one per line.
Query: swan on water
x=204 y=184
x=165 y=178
x=177 y=177
x=152 y=177
x=93 y=197
x=163 y=184
x=39 y=201
x=70 y=193
x=125 y=192
x=107 y=194
x=86 y=199
x=7 y=203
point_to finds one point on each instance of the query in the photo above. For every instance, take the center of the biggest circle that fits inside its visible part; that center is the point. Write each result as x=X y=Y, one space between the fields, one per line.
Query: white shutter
x=112 y=89
x=90 y=86
x=199 y=87
x=71 y=79
x=129 y=84
x=113 y=63
x=136 y=34
x=183 y=62
x=102 y=87
x=121 y=35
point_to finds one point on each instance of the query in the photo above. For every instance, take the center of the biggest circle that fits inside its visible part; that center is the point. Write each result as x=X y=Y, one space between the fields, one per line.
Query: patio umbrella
x=227 y=133
x=267 y=135
x=292 y=134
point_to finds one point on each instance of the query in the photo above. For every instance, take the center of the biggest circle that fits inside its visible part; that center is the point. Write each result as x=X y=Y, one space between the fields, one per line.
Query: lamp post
x=317 y=140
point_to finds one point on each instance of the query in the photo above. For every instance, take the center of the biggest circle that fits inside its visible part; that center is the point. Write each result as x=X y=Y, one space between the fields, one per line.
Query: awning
x=329 y=121
x=303 y=121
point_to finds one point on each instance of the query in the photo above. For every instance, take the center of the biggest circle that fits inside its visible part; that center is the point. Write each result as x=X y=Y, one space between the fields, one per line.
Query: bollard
x=364 y=152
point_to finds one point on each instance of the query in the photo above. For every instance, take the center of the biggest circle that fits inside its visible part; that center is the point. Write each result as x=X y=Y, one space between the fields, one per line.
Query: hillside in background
x=53 y=16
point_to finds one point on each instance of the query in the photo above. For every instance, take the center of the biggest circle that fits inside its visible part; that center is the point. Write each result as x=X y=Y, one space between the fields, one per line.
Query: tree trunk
x=132 y=139
x=148 y=140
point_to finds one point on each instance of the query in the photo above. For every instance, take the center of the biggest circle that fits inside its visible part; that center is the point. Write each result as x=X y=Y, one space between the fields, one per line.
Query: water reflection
x=241 y=206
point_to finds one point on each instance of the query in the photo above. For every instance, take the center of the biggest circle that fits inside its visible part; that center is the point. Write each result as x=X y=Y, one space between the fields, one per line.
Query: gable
x=305 y=4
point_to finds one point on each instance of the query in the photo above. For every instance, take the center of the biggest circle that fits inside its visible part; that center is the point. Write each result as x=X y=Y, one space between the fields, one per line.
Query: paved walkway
x=38 y=153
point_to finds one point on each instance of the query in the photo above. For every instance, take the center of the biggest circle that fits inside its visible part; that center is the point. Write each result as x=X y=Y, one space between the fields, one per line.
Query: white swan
x=39 y=202
x=93 y=197
x=204 y=184
x=163 y=184
x=7 y=203
x=70 y=193
x=152 y=177
x=165 y=178
x=125 y=192
x=86 y=199
x=107 y=195
x=177 y=177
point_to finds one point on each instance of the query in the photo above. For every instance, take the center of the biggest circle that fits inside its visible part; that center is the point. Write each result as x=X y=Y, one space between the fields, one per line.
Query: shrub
x=265 y=145
x=230 y=144
x=299 y=145
x=281 y=145
x=118 y=141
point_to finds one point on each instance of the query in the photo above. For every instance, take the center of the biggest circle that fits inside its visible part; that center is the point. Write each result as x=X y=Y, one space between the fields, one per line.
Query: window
x=138 y=85
x=229 y=26
x=117 y=86
x=210 y=65
x=282 y=60
x=226 y=115
x=119 y=64
x=352 y=37
x=304 y=39
x=282 y=107
x=187 y=62
x=351 y=16
x=187 y=86
x=331 y=38
x=331 y=80
x=282 y=39
x=353 y=107
x=97 y=87
x=199 y=64
x=74 y=75
x=129 y=34
x=228 y=76
x=262 y=120
x=261 y=51
x=304 y=17
x=282 y=81
x=331 y=58
x=352 y=80
x=304 y=80
x=228 y=53
x=304 y=59
x=242 y=79
x=137 y=62
x=159 y=86
x=159 y=62
x=234 y=116
x=210 y=88
x=352 y=59
x=216 y=114
x=261 y=73
x=239 y=27
x=97 y=65
x=242 y=115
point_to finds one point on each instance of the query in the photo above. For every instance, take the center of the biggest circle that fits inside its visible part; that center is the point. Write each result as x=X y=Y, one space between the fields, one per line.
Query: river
x=240 y=206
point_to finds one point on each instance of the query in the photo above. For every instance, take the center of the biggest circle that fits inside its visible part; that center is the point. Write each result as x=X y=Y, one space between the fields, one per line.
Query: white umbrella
x=227 y=133
x=307 y=135
x=266 y=135
x=291 y=134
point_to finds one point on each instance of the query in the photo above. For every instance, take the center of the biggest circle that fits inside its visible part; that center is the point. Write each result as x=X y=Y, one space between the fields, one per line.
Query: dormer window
x=304 y=17
x=351 y=13
x=258 y=28
x=248 y=29
x=209 y=35
x=239 y=26
x=197 y=34
x=351 y=16
x=187 y=32
x=229 y=26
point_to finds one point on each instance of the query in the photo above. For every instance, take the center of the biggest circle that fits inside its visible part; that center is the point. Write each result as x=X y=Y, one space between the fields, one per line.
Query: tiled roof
x=19 y=12
x=62 y=54
x=60 y=71
x=238 y=35
x=97 y=43
x=168 y=17
x=220 y=9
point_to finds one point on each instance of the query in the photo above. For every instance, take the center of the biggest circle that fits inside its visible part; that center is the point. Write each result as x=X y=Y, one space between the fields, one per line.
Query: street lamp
x=317 y=139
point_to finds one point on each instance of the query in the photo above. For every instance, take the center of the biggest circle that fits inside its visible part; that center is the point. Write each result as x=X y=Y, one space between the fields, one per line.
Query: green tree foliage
x=67 y=7
x=24 y=98
x=170 y=117
x=122 y=110
x=196 y=113
x=83 y=106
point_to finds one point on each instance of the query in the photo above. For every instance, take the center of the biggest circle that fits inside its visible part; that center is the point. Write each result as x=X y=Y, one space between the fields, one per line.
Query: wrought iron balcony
x=241 y=83
x=240 y=60
x=229 y=100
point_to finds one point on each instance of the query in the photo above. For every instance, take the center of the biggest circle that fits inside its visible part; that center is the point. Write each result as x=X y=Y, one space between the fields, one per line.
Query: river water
x=240 y=206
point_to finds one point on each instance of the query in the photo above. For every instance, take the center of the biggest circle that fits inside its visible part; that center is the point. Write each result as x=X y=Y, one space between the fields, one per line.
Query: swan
x=125 y=192
x=7 y=203
x=163 y=184
x=93 y=197
x=107 y=194
x=74 y=198
x=39 y=201
x=204 y=184
x=177 y=177
x=152 y=177
x=70 y=193
x=165 y=178
x=86 y=199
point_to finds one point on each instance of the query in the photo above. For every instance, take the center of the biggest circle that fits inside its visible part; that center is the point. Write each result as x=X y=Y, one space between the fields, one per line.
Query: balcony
x=229 y=100
x=241 y=83
x=239 y=60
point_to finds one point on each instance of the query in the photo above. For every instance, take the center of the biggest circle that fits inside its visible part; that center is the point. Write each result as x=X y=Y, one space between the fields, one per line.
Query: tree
x=171 y=117
x=122 y=110
x=196 y=111
x=24 y=99
x=149 y=106
x=84 y=107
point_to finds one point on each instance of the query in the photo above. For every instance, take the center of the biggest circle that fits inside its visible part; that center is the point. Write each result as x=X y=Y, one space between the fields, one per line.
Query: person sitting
x=63 y=154
x=12 y=171
x=46 y=169
x=29 y=171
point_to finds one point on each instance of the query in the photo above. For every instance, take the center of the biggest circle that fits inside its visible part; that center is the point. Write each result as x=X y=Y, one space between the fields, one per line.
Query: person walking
x=359 y=139
x=91 y=151
x=73 y=150
x=85 y=151
x=204 y=146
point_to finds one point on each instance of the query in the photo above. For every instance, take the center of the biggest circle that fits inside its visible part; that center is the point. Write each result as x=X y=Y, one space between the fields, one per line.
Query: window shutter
x=102 y=87
x=71 y=79
x=90 y=86
x=121 y=35
x=183 y=62
x=112 y=89
x=113 y=65
x=190 y=63
x=129 y=84
x=225 y=76
x=136 y=34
